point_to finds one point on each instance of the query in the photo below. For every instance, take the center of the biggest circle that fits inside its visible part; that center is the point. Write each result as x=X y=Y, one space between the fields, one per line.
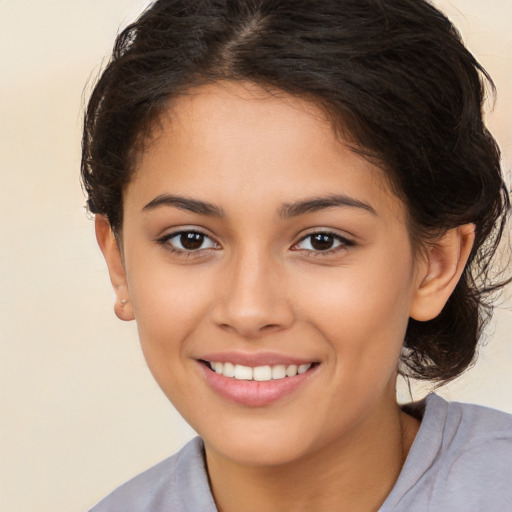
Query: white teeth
x=291 y=371
x=258 y=373
x=228 y=370
x=262 y=373
x=303 y=368
x=243 y=372
x=279 y=371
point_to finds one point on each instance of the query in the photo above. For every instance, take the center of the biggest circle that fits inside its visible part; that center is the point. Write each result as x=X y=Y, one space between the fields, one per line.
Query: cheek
x=168 y=302
x=169 y=306
x=363 y=309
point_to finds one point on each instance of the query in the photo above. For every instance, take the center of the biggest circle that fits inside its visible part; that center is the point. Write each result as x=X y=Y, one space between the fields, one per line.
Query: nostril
x=270 y=327
x=227 y=327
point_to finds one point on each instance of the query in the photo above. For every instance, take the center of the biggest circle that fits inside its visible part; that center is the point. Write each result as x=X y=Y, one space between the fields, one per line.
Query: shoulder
x=477 y=446
x=475 y=421
x=474 y=434
x=174 y=484
x=475 y=456
x=461 y=459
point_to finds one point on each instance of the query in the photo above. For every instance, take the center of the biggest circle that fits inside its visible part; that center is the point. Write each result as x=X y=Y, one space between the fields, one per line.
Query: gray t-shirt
x=460 y=461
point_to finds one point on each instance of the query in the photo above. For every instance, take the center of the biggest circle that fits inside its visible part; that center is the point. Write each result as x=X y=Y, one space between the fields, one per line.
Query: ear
x=440 y=272
x=110 y=249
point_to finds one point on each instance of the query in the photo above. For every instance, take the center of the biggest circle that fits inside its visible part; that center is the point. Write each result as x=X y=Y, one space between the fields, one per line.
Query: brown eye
x=189 y=241
x=322 y=241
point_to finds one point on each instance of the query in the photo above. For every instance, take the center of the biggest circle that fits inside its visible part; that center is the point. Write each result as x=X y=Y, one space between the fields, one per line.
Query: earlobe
x=112 y=254
x=440 y=272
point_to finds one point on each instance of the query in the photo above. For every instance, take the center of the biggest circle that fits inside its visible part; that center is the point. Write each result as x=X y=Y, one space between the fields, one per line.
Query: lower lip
x=254 y=393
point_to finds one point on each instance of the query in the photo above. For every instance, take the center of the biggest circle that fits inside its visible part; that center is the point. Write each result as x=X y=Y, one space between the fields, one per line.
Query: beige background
x=79 y=411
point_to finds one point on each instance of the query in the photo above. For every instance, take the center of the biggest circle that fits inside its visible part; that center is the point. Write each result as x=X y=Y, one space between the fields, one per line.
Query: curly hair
x=393 y=75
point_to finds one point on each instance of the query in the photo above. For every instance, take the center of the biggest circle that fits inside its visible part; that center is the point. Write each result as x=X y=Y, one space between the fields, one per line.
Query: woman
x=296 y=201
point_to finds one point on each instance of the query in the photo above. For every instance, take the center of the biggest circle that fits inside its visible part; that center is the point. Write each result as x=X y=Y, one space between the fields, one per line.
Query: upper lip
x=255 y=359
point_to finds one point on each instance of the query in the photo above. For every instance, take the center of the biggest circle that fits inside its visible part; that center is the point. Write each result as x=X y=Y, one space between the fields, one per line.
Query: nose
x=252 y=299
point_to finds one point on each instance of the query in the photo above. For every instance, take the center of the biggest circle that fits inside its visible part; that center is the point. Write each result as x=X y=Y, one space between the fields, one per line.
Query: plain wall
x=79 y=411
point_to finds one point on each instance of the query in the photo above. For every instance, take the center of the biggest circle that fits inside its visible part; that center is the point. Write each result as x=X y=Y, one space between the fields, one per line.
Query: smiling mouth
x=258 y=373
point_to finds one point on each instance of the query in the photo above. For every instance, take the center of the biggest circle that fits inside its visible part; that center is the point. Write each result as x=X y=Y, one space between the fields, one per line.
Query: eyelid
x=345 y=241
x=164 y=241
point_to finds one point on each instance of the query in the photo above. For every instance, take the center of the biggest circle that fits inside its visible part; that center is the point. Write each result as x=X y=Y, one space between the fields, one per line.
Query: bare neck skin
x=355 y=473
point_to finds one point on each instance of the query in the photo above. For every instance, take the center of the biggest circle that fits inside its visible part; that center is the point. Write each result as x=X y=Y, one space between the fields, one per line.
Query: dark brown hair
x=393 y=73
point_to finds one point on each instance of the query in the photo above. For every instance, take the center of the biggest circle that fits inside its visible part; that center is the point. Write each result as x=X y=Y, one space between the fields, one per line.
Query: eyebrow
x=185 y=203
x=286 y=211
x=319 y=203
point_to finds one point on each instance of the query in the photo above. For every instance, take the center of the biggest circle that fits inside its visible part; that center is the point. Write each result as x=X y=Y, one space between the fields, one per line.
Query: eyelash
x=165 y=242
x=344 y=243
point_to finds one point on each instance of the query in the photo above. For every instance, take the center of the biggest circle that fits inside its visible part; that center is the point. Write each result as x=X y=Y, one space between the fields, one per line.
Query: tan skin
x=257 y=283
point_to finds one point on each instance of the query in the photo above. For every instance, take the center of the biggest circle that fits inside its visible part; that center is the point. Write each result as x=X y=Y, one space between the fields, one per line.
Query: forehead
x=231 y=140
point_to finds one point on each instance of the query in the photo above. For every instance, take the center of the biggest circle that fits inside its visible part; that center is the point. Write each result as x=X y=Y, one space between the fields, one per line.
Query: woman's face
x=256 y=243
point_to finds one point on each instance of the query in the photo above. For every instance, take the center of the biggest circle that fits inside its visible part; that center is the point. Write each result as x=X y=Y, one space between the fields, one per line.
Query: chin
x=262 y=445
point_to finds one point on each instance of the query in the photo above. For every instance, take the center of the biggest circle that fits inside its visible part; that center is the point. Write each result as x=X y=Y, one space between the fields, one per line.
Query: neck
x=353 y=473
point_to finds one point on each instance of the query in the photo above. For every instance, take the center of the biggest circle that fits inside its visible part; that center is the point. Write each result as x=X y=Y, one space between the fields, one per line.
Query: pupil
x=321 y=242
x=191 y=241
